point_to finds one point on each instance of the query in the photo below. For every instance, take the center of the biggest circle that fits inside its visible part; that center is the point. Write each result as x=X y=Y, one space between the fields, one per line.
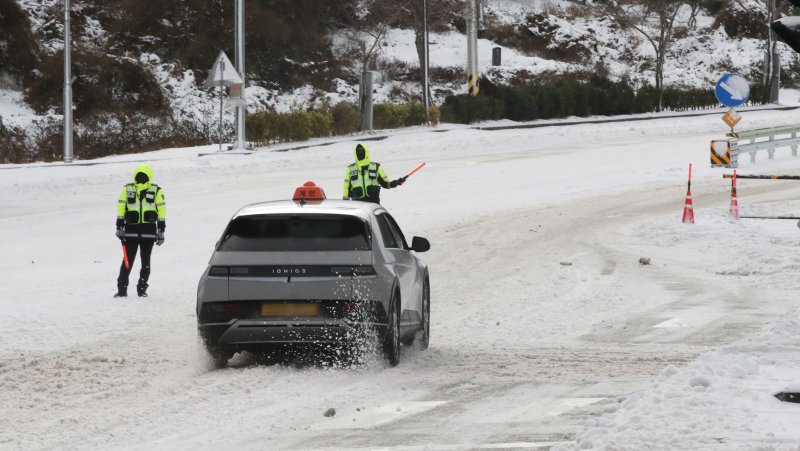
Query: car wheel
x=423 y=336
x=391 y=344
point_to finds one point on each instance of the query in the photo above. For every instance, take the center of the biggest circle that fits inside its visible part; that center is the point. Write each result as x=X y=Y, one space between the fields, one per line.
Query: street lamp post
x=426 y=92
x=473 y=74
x=68 y=155
x=241 y=109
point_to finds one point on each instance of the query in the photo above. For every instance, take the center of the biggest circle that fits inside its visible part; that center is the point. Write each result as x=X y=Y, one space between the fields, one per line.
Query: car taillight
x=363 y=271
x=352 y=271
x=219 y=271
x=350 y=307
x=231 y=307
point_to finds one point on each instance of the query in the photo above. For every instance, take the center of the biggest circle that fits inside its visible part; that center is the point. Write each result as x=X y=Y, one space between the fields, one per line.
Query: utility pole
x=771 y=59
x=473 y=74
x=426 y=90
x=241 y=110
x=68 y=155
x=221 y=99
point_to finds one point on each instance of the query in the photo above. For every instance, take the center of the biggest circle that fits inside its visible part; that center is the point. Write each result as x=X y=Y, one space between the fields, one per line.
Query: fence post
x=771 y=152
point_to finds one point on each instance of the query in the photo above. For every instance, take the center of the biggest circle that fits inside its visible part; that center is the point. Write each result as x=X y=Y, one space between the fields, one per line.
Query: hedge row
x=268 y=127
x=104 y=134
x=12 y=144
x=567 y=97
x=94 y=137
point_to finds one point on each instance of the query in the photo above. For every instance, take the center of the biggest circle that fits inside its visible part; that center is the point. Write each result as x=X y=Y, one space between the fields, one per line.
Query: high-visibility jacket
x=365 y=182
x=364 y=178
x=142 y=209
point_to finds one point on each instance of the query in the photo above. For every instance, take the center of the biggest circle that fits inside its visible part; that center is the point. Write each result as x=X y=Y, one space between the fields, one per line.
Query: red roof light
x=309 y=191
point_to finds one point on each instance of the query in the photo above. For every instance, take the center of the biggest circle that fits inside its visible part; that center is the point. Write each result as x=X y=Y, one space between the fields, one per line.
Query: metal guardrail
x=768 y=139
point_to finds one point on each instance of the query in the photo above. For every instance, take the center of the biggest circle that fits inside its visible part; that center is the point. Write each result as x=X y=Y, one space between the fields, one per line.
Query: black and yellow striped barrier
x=473 y=84
x=720 y=153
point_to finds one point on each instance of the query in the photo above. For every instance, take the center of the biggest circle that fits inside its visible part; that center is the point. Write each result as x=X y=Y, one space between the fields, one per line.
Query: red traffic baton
x=125 y=257
x=415 y=170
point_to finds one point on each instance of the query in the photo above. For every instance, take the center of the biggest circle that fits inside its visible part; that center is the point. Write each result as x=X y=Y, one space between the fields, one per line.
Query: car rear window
x=296 y=233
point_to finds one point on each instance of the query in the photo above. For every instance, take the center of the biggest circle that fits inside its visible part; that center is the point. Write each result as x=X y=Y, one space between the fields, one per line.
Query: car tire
x=423 y=336
x=391 y=343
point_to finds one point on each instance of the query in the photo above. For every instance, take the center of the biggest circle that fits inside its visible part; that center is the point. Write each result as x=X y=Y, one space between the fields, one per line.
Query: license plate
x=305 y=309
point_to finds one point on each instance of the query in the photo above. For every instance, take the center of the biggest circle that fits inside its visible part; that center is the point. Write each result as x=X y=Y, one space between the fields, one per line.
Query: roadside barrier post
x=733 y=212
x=688 y=209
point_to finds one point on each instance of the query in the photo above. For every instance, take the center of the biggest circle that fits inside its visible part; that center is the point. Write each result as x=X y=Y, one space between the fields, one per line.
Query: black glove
x=401 y=180
x=120 y=233
x=159 y=238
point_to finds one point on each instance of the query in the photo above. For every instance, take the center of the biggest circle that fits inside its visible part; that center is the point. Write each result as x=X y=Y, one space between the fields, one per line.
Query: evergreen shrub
x=566 y=97
x=12 y=145
x=268 y=127
x=344 y=118
x=390 y=115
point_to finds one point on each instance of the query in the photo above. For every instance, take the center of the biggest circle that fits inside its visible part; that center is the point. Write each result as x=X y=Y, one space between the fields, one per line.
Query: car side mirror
x=419 y=244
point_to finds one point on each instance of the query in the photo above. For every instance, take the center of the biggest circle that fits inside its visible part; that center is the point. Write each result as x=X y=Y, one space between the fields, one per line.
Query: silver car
x=313 y=272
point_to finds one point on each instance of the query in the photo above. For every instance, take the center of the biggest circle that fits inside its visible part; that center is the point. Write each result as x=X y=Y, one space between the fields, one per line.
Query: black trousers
x=144 y=273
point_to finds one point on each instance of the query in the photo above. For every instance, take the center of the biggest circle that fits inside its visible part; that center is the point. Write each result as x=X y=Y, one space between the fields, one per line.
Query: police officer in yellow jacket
x=364 y=178
x=141 y=221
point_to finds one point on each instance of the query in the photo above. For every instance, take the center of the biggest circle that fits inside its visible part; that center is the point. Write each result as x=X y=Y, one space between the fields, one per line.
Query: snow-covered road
x=546 y=330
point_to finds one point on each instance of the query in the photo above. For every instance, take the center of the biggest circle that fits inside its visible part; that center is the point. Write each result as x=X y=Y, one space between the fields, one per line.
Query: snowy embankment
x=724 y=399
x=537 y=344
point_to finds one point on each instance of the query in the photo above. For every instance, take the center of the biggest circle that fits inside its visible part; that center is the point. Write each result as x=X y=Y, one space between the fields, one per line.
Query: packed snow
x=546 y=329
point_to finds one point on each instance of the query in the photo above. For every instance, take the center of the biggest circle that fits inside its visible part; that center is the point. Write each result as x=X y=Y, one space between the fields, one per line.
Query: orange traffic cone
x=733 y=212
x=688 y=210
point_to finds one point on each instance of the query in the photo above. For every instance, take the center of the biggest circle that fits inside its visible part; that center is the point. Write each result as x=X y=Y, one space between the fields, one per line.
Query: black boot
x=122 y=292
x=141 y=289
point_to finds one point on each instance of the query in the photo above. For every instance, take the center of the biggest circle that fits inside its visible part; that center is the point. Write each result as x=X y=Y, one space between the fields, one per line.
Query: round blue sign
x=732 y=90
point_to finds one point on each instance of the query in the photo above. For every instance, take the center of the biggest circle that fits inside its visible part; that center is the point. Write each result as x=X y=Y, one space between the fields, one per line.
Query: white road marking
x=564 y=405
x=673 y=323
x=369 y=418
x=692 y=317
x=536 y=409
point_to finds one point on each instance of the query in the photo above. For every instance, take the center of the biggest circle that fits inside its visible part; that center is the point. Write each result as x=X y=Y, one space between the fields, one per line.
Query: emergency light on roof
x=309 y=191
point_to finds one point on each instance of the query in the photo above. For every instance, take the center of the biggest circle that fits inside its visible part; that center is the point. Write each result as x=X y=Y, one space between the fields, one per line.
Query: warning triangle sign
x=223 y=73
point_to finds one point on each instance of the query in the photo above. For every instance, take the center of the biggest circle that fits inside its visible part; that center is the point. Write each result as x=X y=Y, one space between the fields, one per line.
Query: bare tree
x=771 y=11
x=695 y=6
x=772 y=64
x=367 y=30
x=655 y=21
x=440 y=14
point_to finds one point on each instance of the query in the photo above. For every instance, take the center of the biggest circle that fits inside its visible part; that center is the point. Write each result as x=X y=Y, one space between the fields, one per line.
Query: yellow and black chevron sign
x=473 y=84
x=720 y=153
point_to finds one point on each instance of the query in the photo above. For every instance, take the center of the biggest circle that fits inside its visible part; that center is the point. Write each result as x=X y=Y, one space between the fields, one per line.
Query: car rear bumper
x=246 y=334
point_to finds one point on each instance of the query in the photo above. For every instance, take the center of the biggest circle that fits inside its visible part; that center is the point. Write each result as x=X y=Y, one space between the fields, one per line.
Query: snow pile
x=724 y=399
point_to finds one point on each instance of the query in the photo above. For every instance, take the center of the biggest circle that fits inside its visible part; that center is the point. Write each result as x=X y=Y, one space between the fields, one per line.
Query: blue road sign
x=732 y=90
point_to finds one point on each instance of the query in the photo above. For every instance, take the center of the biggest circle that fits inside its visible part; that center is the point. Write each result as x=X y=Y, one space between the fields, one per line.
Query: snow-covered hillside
x=696 y=59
